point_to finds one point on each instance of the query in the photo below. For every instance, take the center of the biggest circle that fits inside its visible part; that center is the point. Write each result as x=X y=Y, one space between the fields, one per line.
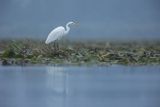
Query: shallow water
x=46 y=86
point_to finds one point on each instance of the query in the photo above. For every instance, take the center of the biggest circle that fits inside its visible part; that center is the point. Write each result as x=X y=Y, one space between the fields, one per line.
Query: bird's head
x=72 y=23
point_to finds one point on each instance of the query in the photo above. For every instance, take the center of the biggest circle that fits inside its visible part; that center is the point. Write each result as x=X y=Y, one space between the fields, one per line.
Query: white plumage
x=58 y=33
x=55 y=34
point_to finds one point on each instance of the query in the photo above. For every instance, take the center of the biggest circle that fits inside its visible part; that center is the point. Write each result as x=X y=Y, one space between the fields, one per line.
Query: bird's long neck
x=67 y=28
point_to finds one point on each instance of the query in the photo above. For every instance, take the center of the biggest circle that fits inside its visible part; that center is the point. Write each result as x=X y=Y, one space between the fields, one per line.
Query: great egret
x=58 y=33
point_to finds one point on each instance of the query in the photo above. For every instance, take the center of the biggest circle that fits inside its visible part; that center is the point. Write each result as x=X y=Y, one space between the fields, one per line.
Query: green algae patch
x=28 y=52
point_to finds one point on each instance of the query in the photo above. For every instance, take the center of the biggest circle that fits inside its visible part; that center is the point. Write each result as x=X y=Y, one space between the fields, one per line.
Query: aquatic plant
x=23 y=52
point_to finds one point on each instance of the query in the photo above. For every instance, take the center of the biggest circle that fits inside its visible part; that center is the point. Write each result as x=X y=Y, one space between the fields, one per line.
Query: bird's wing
x=55 y=34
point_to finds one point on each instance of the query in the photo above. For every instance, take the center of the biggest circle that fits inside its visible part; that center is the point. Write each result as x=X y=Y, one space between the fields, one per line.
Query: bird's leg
x=57 y=45
x=63 y=42
x=54 y=45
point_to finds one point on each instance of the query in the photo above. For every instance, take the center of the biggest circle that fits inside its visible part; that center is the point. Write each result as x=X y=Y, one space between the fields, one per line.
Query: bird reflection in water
x=57 y=80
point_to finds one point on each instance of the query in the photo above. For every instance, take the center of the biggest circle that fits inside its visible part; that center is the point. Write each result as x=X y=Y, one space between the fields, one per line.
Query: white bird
x=58 y=33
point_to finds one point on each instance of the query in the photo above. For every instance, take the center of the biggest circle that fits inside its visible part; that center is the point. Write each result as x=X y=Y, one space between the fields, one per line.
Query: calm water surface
x=46 y=86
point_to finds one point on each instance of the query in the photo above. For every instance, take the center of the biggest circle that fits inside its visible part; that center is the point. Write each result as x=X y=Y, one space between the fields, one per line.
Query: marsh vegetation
x=28 y=52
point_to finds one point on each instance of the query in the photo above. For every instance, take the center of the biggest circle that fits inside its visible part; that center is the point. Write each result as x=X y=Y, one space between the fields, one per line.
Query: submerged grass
x=24 y=52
